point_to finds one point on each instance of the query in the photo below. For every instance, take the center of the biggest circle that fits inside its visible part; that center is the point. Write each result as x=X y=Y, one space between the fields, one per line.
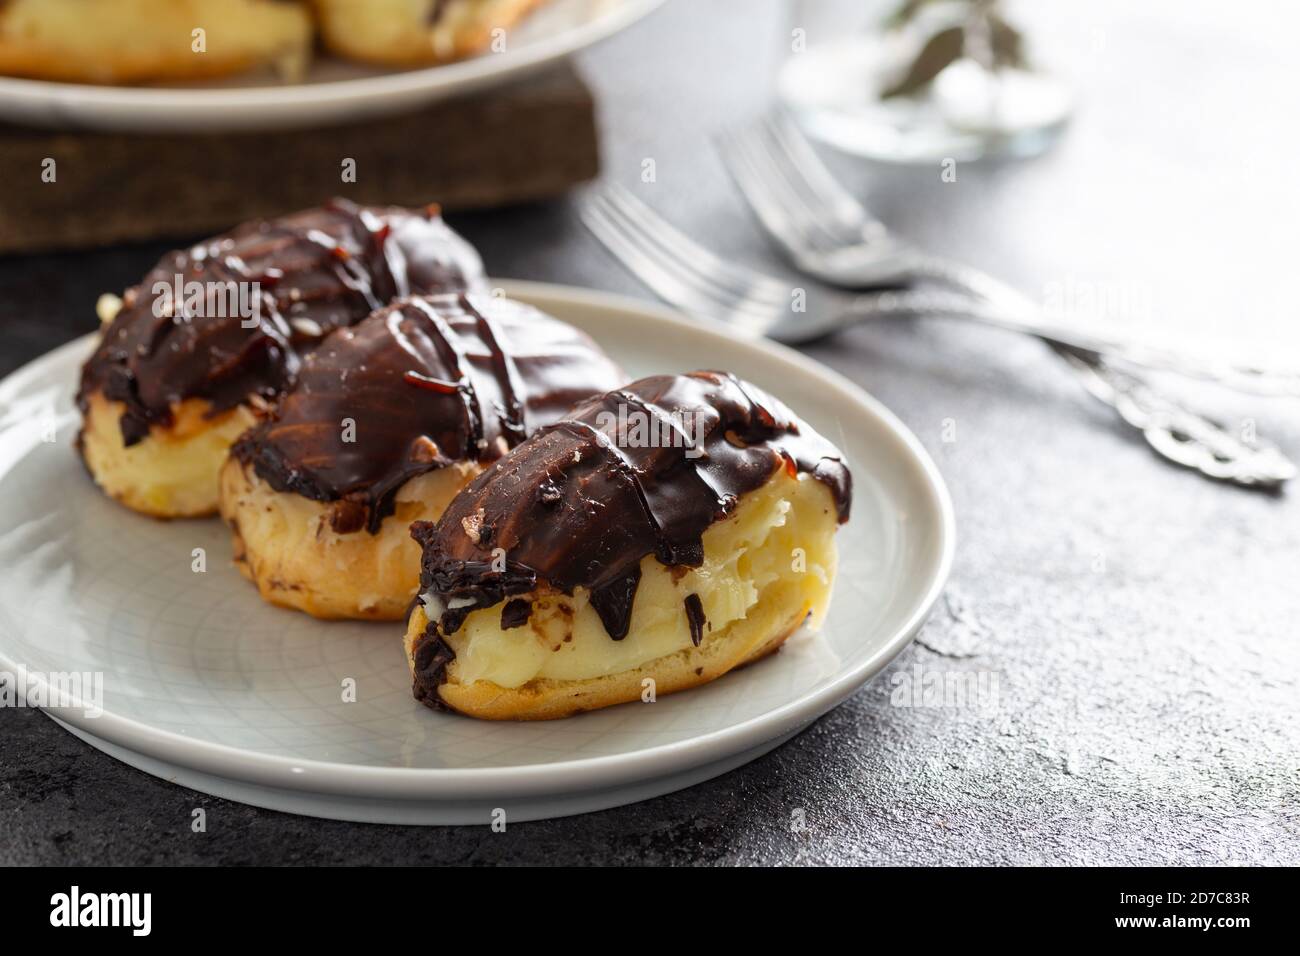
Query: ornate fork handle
x=1009 y=308
x=1174 y=431
x=1180 y=434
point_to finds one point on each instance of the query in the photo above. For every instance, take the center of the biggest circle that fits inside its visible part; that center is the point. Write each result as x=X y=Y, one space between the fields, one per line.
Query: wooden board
x=520 y=143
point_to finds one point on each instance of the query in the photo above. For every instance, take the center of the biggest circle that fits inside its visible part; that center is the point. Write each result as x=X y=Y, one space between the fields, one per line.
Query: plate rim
x=213 y=109
x=587 y=772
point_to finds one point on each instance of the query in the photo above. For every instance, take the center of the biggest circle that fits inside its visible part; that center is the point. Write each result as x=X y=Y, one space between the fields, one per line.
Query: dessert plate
x=205 y=685
x=334 y=91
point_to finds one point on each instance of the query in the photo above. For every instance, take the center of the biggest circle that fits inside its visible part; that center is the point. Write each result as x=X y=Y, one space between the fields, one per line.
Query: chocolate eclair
x=386 y=422
x=657 y=537
x=219 y=330
x=415 y=32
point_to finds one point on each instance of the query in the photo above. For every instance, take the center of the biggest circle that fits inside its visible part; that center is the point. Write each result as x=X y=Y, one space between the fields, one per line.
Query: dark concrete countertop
x=1141 y=622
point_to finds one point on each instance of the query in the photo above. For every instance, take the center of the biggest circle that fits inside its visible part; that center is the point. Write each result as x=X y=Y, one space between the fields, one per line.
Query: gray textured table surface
x=1141 y=622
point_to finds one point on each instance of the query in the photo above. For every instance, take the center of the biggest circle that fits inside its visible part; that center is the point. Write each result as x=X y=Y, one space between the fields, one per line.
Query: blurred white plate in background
x=335 y=91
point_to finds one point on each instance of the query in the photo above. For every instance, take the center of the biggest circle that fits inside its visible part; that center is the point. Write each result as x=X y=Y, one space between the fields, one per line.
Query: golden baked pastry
x=386 y=422
x=170 y=474
x=658 y=537
x=415 y=32
x=132 y=41
x=216 y=331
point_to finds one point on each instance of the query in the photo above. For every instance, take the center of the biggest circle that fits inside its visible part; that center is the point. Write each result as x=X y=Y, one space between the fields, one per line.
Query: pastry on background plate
x=414 y=32
x=387 y=421
x=217 y=331
x=658 y=537
x=133 y=41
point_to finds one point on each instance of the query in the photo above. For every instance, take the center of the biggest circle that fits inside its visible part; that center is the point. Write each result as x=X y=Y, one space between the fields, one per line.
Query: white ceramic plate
x=206 y=685
x=334 y=92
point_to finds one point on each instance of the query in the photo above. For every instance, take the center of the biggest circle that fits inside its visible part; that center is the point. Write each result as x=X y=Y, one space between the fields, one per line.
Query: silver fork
x=696 y=280
x=829 y=234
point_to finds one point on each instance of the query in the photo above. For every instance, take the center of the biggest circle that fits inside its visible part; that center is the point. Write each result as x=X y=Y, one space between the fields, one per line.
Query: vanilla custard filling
x=173 y=471
x=288 y=539
x=775 y=552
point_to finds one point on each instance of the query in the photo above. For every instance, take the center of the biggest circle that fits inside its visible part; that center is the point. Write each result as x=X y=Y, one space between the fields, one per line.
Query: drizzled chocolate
x=436 y=10
x=253 y=301
x=695 y=617
x=414 y=387
x=581 y=503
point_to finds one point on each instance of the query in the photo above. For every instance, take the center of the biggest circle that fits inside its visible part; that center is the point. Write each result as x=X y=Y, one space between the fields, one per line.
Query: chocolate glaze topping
x=432 y=655
x=695 y=617
x=231 y=341
x=436 y=10
x=581 y=503
x=414 y=387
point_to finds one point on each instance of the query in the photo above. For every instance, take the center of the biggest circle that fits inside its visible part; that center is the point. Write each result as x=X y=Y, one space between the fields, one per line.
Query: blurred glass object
x=919 y=81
